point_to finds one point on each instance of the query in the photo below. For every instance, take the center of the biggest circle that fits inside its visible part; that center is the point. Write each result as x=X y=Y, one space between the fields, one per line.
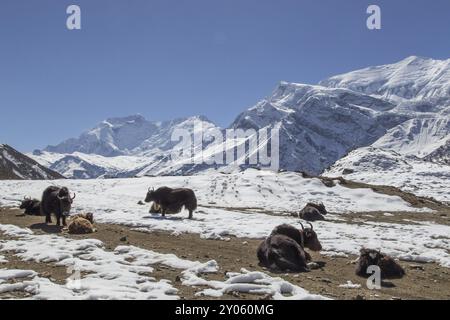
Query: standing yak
x=58 y=201
x=172 y=200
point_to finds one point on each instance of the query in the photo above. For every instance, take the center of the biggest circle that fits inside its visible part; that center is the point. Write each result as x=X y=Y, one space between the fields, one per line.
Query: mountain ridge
x=319 y=124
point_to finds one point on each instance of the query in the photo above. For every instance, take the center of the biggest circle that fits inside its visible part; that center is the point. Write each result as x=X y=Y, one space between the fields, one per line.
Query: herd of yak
x=283 y=250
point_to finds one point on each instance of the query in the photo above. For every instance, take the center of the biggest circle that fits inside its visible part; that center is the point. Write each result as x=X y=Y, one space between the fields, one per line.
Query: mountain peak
x=413 y=78
x=126 y=119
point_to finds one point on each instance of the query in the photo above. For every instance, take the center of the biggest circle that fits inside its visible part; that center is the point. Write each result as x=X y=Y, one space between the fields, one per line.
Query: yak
x=32 y=206
x=284 y=249
x=313 y=212
x=156 y=208
x=58 y=201
x=172 y=200
x=282 y=253
x=389 y=268
x=307 y=238
x=82 y=223
x=88 y=216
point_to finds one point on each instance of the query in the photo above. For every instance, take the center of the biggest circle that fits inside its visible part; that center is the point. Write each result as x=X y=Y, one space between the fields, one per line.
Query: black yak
x=284 y=249
x=279 y=252
x=313 y=212
x=32 y=206
x=58 y=201
x=172 y=200
x=389 y=268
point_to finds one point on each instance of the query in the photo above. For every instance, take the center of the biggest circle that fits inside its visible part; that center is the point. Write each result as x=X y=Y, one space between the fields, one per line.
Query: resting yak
x=172 y=200
x=313 y=212
x=32 y=206
x=58 y=201
x=284 y=249
x=82 y=223
x=389 y=268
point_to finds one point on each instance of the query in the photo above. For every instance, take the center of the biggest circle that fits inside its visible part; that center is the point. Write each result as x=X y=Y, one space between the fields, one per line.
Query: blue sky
x=173 y=58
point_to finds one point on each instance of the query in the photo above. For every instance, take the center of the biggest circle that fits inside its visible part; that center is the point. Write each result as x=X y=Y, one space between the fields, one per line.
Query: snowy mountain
x=440 y=155
x=319 y=125
x=402 y=107
x=414 y=78
x=418 y=137
x=121 y=136
x=16 y=166
x=120 y=147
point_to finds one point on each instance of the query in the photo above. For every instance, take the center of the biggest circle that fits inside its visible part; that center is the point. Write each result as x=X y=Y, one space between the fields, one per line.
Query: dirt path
x=423 y=281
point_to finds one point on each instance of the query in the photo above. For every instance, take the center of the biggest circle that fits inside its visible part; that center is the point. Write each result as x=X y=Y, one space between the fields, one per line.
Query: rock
x=359 y=297
x=326 y=280
x=123 y=239
x=313 y=265
x=141 y=203
x=416 y=267
x=347 y=171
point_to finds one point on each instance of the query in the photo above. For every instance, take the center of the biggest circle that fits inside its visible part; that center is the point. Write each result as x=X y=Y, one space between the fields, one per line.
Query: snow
x=284 y=193
x=350 y=285
x=122 y=273
x=249 y=205
x=417 y=137
x=412 y=78
x=6 y=274
x=258 y=283
x=387 y=167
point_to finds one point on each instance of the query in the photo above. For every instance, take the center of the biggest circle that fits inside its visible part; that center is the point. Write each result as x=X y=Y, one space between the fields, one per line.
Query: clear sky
x=172 y=58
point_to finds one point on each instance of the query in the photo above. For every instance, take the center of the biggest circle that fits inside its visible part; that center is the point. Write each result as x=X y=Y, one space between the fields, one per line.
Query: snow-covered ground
x=250 y=204
x=265 y=190
x=387 y=167
x=124 y=273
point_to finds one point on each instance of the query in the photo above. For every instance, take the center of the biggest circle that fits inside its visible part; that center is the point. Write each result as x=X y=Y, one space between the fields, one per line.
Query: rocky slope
x=17 y=166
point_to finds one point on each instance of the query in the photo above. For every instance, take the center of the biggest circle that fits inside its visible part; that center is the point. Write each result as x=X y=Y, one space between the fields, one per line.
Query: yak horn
x=303 y=228
x=74 y=195
x=311 y=226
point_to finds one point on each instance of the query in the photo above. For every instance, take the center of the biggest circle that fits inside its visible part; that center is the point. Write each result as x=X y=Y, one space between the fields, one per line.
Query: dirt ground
x=423 y=281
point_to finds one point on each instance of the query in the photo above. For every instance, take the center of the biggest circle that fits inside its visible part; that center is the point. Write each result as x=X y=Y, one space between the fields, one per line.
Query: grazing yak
x=82 y=224
x=58 y=201
x=284 y=249
x=32 y=206
x=313 y=212
x=389 y=268
x=172 y=200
